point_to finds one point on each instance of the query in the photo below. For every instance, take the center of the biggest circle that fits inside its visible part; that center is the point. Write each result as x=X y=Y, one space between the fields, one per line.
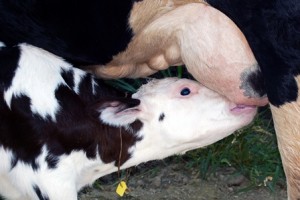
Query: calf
x=136 y=38
x=61 y=129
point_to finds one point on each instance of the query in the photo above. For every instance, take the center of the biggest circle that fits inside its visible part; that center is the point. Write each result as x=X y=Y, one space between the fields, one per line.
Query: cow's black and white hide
x=272 y=28
x=60 y=129
x=134 y=38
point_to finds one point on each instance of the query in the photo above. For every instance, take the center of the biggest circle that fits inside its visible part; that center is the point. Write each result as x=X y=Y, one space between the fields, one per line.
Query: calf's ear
x=118 y=111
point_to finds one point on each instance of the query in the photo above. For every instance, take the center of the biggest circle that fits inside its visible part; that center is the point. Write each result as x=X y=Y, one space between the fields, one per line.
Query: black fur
x=9 y=58
x=82 y=32
x=16 y=130
x=68 y=76
x=161 y=117
x=272 y=28
x=39 y=193
x=51 y=161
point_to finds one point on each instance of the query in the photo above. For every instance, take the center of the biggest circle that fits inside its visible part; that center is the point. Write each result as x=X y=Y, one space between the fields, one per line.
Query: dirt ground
x=161 y=180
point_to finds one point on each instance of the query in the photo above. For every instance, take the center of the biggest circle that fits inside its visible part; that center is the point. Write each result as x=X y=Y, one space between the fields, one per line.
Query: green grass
x=251 y=150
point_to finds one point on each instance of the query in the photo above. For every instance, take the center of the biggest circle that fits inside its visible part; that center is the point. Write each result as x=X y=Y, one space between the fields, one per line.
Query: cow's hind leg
x=287 y=126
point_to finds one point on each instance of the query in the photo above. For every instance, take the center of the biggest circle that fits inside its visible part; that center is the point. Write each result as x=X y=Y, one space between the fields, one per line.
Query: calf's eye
x=185 y=92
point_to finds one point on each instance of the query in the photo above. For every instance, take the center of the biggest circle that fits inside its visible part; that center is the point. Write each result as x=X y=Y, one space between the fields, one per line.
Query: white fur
x=78 y=75
x=94 y=86
x=72 y=173
x=118 y=119
x=2 y=44
x=37 y=77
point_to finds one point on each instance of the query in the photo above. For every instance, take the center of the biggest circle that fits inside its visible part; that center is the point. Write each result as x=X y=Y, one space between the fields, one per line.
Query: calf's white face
x=178 y=115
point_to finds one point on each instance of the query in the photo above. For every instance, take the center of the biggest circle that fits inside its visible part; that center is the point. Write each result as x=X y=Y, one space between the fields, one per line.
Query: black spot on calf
x=68 y=76
x=161 y=117
x=39 y=193
x=51 y=161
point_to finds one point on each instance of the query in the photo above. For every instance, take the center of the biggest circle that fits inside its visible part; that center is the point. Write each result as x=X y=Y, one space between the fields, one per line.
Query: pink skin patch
x=242 y=109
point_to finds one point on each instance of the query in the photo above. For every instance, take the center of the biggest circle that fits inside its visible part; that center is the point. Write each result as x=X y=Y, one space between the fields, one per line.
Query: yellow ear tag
x=121 y=189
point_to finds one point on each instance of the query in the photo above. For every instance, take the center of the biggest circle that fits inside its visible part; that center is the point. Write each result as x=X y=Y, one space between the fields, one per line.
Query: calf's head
x=177 y=115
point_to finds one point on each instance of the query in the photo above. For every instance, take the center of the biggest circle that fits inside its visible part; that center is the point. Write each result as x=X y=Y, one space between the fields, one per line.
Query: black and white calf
x=61 y=129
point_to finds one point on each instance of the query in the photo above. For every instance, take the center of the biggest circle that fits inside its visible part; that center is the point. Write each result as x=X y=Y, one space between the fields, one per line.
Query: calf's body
x=61 y=129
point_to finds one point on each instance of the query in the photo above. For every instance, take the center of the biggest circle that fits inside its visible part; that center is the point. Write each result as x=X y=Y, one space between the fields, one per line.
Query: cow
x=61 y=128
x=135 y=38
x=272 y=29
